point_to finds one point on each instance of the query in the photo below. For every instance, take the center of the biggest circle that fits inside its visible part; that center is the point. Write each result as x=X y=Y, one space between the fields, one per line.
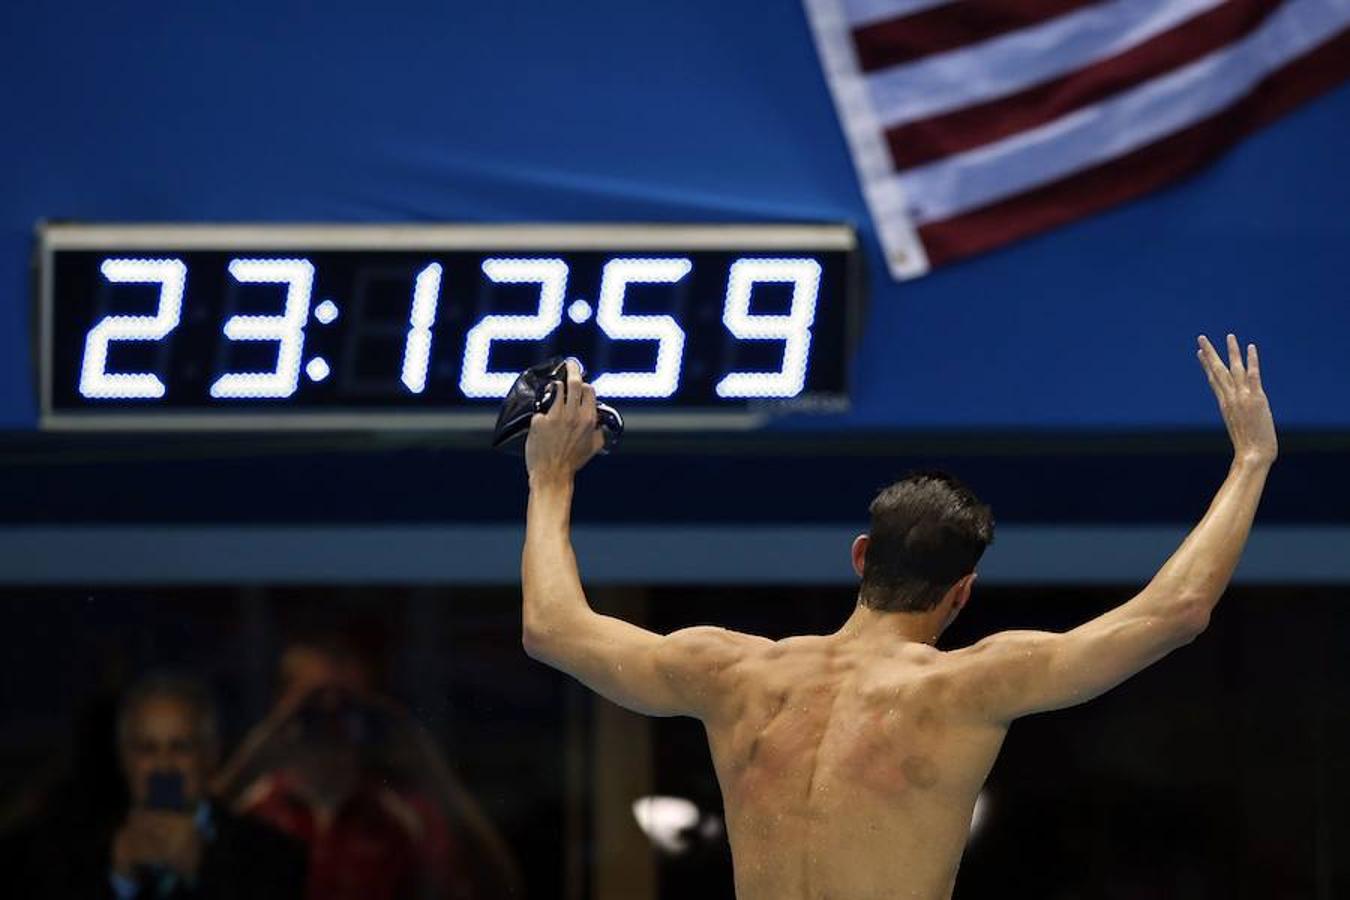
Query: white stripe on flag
x=905 y=256
x=1005 y=65
x=1094 y=134
x=865 y=12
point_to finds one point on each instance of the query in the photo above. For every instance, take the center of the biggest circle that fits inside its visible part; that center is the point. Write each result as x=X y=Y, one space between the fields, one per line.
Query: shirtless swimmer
x=850 y=763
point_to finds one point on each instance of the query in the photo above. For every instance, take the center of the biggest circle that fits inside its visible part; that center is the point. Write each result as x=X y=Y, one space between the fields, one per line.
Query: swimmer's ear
x=960 y=596
x=860 y=553
x=964 y=587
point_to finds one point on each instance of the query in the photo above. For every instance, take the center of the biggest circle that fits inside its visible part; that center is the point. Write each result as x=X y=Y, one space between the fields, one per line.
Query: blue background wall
x=702 y=110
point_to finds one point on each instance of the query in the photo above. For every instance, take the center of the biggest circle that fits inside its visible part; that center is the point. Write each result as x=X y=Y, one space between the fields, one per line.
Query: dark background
x=1220 y=772
x=451 y=657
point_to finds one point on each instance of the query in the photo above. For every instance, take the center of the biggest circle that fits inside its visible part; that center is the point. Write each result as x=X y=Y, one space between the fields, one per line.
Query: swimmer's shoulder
x=718 y=647
x=972 y=675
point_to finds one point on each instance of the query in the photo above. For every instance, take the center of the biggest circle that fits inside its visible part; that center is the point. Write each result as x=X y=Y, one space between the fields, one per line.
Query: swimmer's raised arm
x=1017 y=673
x=682 y=673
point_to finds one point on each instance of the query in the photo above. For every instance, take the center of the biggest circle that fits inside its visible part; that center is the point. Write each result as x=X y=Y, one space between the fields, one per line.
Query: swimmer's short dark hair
x=928 y=531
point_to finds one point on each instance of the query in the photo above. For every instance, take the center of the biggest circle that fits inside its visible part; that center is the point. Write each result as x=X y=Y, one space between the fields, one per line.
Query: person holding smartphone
x=166 y=741
x=175 y=843
x=172 y=842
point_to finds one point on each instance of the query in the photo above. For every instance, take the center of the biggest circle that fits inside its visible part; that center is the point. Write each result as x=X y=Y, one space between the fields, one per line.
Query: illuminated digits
x=665 y=377
x=287 y=329
x=551 y=275
x=417 y=349
x=793 y=329
x=95 y=379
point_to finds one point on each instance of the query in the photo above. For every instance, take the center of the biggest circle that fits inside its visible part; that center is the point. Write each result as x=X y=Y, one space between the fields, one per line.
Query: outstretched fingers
x=1220 y=379
x=1253 y=367
x=1235 y=360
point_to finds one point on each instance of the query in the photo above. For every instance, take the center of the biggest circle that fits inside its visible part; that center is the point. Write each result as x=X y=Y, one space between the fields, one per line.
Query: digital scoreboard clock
x=367 y=327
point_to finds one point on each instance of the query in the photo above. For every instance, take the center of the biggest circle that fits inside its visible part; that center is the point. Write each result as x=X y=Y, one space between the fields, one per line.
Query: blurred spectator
x=363 y=785
x=321 y=661
x=171 y=842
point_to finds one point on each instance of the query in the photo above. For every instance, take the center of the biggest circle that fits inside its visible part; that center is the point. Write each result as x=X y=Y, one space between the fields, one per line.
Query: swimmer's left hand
x=565 y=438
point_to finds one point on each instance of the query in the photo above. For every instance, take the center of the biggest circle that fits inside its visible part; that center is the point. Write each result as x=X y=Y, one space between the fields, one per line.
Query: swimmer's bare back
x=850 y=762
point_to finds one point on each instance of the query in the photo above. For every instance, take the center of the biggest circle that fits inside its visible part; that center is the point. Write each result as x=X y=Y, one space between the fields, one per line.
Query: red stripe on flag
x=921 y=142
x=1146 y=169
x=892 y=42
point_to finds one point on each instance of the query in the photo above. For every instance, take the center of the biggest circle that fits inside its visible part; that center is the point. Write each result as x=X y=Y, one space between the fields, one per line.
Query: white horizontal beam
x=647 y=555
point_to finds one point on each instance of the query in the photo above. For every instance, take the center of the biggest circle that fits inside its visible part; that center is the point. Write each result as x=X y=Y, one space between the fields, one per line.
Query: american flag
x=974 y=123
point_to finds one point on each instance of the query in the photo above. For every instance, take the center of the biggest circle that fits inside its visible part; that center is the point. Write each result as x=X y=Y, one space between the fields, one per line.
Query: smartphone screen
x=165 y=791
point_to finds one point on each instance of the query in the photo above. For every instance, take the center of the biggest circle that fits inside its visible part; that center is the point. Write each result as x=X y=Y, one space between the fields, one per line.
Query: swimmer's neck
x=867 y=625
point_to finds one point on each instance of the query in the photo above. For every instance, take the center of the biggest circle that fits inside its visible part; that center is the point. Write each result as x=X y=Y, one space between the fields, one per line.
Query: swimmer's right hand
x=1242 y=400
x=565 y=438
